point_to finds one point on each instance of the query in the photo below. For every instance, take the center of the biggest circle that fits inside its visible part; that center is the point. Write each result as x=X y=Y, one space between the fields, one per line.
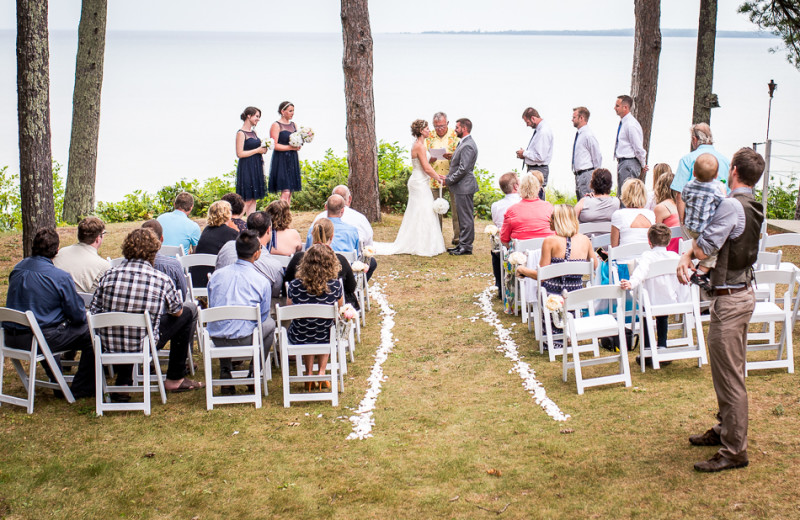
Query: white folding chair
x=114 y=262
x=594 y=228
x=677 y=232
x=603 y=241
x=683 y=347
x=529 y=297
x=175 y=251
x=632 y=250
x=352 y=256
x=582 y=326
x=87 y=298
x=770 y=312
x=282 y=259
x=548 y=272
x=283 y=316
x=529 y=244
x=780 y=240
x=39 y=352
x=197 y=260
x=144 y=357
x=254 y=351
x=765 y=261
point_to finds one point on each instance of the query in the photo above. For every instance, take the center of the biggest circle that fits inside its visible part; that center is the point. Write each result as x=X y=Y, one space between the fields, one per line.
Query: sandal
x=187 y=385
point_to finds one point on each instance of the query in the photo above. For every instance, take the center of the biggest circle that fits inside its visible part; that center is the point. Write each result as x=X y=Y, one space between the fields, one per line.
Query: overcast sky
x=385 y=15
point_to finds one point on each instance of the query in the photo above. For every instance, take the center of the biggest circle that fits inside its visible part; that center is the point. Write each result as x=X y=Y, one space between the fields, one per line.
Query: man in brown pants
x=733 y=232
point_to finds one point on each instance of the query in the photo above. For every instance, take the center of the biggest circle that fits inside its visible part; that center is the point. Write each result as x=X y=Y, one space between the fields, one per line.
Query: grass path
x=449 y=411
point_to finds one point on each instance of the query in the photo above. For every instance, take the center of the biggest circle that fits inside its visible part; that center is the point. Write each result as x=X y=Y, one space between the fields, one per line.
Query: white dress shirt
x=630 y=140
x=540 y=148
x=662 y=289
x=355 y=219
x=499 y=208
x=587 y=154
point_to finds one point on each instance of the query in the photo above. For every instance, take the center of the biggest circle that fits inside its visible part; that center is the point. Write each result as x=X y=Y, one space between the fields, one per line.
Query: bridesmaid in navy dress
x=250 y=170
x=284 y=173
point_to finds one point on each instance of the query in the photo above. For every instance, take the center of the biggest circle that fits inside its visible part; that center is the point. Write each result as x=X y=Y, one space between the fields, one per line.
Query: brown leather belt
x=726 y=292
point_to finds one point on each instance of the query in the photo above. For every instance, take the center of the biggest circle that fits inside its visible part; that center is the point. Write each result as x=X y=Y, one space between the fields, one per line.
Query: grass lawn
x=449 y=412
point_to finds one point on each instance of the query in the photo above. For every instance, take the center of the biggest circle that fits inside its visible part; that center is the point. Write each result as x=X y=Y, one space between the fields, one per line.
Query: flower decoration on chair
x=517 y=258
x=555 y=304
x=368 y=251
x=494 y=236
x=306 y=133
x=491 y=230
x=268 y=143
x=296 y=139
x=441 y=206
x=358 y=265
x=348 y=312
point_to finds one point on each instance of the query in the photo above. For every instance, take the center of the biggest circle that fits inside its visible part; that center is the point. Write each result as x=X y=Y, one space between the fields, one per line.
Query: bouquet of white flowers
x=517 y=258
x=307 y=133
x=268 y=143
x=368 y=251
x=441 y=206
x=555 y=304
x=296 y=139
x=491 y=229
x=360 y=266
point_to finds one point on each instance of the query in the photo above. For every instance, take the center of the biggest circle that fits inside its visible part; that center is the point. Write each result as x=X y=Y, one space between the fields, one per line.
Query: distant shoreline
x=665 y=33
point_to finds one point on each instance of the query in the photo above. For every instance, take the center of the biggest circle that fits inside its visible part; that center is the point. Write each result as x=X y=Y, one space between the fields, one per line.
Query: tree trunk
x=704 y=67
x=362 y=146
x=33 y=109
x=79 y=194
x=646 y=53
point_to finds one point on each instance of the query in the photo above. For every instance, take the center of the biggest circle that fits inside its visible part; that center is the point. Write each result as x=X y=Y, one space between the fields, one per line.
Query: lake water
x=171 y=101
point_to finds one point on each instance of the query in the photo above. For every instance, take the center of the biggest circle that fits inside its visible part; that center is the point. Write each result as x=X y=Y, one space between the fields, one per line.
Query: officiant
x=443 y=138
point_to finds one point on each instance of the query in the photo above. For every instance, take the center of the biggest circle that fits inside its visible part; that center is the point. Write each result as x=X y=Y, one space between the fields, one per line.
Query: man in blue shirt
x=240 y=284
x=178 y=228
x=702 y=142
x=37 y=285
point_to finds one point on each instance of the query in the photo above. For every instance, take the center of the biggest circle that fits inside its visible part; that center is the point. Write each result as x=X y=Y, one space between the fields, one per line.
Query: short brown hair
x=334 y=204
x=705 y=168
x=466 y=123
x=418 y=126
x=154 y=226
x=184 y=201
x=219 y=213
x=749 y=166
x=582 y=112
x=508 y=181
x=318 y=266
x=529 y=113
x=45 y=243
x=633 y=194
x=89 y=229
x=659 y=235
x=236 y=201
x=601 y=181
x=281 y=214
x=626 y=100
x=141 y=244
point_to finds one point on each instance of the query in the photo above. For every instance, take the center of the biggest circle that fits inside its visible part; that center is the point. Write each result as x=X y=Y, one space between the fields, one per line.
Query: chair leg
x=32 y=381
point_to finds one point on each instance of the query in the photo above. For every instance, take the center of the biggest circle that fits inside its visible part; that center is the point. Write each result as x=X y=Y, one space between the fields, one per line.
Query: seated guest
x=316 y=282
x=351 y=216
x=666 y=210
x=216 y=233
x=166 y=264
x=599 y=205
x=509 y=184
x=272 y=269
x=528 y=218
x=81 y=260
x=135 y=286
x=237 y=210
x=322 y=233
x=240 y=283
x=285 y=239
x=630 y=224
x=36 y=285
x=179 y=229
x=658 y=170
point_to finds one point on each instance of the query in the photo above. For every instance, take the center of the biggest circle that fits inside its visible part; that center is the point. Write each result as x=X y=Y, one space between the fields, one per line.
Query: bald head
x=344 y=192
x=705 y=168
x=335 y=206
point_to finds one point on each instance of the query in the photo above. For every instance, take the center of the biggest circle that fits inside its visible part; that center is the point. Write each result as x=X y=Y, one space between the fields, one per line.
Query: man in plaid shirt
x=135 y=286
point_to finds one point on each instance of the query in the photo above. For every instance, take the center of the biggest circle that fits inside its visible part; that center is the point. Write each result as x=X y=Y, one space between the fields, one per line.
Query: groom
x=463 y=186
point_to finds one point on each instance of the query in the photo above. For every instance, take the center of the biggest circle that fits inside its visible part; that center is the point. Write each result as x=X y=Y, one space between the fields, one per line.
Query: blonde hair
x=564 y=220
x=529 y=186
x=219 y=213
x=663 y=188
x=322 y=231
x=634 y=194
x=659 y=170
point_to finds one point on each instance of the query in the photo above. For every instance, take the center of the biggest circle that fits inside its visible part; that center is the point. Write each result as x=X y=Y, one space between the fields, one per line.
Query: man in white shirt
x=540 y=148
x=351 y=216
x=510 y=186
x=629 y=147
x=81 y=260
x=586 y=156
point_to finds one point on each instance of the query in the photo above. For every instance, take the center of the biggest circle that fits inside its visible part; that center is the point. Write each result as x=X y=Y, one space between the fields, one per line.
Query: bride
x=419 y=233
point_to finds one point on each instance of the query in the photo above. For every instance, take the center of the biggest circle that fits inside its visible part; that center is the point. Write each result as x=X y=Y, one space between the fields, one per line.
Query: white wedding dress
x=419 y=233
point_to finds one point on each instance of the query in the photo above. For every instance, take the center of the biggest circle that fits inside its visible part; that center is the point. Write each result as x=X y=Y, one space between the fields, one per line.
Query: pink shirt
x=527 y=219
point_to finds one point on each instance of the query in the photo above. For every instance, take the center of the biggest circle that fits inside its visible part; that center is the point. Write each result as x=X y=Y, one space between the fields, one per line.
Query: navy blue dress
x=284 y=173
x=250 y=170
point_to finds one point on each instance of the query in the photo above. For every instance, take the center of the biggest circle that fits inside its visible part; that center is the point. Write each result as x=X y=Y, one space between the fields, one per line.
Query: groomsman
x=443 y=137
x=586 y=156
x=629 y=147
x=540 y=148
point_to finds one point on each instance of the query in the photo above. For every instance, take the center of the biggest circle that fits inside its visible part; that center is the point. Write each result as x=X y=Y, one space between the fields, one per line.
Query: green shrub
x=782 y=199
x=10 y=199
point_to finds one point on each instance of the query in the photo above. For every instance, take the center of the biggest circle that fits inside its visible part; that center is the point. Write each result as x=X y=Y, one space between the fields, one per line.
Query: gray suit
x=463 y=186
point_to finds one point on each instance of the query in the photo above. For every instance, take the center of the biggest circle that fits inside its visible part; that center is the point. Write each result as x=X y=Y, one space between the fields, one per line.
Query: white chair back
x=677 y=232
x=768 y=260
x=282 y=259
x=782 y=239
x=175 y=251
x=527 y=244
x=548 y=272
x=603 y=241
x=769 y=312
x=594 y=227
x=116 y=261
x=626 y=251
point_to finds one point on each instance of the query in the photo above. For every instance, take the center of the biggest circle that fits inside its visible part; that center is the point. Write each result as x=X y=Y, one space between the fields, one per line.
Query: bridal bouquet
x=268 y=143
x=307 y=134
x=296 y=139
x=360 y=266
x=441 y=206
x=517 y=258
x=368 y=251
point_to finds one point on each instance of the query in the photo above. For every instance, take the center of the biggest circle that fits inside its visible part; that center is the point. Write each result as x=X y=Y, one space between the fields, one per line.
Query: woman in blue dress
x=250 y=170
x=284 y=173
